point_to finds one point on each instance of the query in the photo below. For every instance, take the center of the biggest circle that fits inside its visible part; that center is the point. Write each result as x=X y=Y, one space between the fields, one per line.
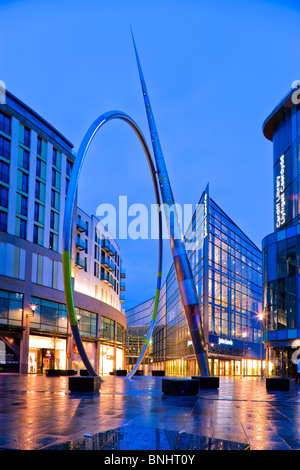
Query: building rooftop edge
x=270 y=122
x=38 y=117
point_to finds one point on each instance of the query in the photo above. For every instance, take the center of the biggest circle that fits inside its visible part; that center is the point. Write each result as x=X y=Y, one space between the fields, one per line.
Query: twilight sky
x=214 y=71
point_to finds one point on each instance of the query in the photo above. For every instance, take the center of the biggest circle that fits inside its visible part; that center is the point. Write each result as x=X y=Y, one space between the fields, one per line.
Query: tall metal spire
x=185 y=279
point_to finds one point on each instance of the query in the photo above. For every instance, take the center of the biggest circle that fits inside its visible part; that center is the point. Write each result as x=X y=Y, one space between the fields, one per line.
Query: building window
x=38 y=235
x=54 y=221
x=55 y=179
x=53 y=241
x=3 y=196
x=120 y=333
x=69 y=168
x=24 y=182
x=54 y=157
x=107 y=328
x=25 y=160
x=23 y=210
x=96 y=269
x=4 y=148
x=3 y=221
x=4 y=172
x=55 y=199
x=38 y=167
x=23 y=225
x=5 y=123
x=39 y=191
x=39 y=146
x=36 y=212
x=26 y=137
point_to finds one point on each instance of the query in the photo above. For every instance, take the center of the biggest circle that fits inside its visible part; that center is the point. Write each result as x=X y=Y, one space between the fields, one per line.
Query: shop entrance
x=229 y=367
x=46 y=353
x=40 y=360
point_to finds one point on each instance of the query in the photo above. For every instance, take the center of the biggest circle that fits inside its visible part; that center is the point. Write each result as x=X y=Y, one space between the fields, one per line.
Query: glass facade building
x=227 y=268
x=281 y=249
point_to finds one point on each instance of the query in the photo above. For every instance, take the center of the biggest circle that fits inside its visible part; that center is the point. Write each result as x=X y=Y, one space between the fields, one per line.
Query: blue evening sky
x=214 y=71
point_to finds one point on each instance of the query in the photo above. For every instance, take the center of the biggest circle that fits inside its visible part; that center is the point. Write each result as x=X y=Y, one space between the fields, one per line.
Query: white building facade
x=35 y=167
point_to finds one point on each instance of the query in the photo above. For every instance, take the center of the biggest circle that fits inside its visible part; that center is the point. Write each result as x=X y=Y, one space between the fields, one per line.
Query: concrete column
x=24 y=347
x=97 y=362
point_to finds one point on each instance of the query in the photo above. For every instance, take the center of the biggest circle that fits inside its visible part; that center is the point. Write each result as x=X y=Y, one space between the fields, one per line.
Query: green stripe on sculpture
x=66 y=256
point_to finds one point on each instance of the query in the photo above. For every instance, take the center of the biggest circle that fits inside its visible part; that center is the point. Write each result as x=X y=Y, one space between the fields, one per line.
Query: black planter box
x=84 y=384
x=180 y=387
x=60 y=372
x=121 y=372
x=139 y=372
x=277 y=384
x=84 y=372
x=207 y=382
x=158 y=373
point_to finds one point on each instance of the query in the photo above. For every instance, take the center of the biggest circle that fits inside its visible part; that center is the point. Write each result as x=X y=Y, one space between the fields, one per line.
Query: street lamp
x=32 y=310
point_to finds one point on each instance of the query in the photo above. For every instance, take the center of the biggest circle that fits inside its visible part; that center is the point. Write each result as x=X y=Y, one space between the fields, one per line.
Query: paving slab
x=39 y=412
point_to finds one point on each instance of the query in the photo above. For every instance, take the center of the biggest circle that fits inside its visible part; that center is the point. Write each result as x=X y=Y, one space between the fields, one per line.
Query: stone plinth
x=84 y=384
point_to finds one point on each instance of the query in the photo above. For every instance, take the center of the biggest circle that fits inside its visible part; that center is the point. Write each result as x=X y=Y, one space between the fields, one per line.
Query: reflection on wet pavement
x=37 y=412
x=131 y=437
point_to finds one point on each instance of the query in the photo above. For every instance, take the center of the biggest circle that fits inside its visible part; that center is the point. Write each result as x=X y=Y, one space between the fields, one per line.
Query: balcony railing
x=122 y=298
x=123 y=273
x=81 y=225
x=80 y=244
x=79 y=262
x=107 y=247
x=108 y=279
x=122 y=286
x=107 y=263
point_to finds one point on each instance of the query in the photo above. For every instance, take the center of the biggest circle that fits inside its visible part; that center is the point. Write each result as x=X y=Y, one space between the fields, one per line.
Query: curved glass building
x=281 y=249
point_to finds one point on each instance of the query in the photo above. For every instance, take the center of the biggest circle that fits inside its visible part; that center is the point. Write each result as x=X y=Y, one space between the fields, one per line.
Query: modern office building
x=35 y=167
x=227 y=267
x=281 y=249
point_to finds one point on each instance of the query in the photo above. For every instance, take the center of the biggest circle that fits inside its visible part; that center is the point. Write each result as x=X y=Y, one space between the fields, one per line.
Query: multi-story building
x=35 y=167
x=227 y=268
x=281 y=249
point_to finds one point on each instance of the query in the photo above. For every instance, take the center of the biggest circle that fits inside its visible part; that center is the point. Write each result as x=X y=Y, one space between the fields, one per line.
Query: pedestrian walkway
x=37 y=411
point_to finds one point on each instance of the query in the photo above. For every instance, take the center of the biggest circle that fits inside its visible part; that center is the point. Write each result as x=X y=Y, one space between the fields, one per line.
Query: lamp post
x=244 y=334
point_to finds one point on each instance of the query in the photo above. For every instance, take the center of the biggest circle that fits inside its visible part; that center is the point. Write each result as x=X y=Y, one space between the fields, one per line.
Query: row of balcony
x=81 y=225
x=107 y=247
x=108 y=279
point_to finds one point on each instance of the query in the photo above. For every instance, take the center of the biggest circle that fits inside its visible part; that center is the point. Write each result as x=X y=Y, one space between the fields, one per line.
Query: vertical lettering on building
x=280 y=199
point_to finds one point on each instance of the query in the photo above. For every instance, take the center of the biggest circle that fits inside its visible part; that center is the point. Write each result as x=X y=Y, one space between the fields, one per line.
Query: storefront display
x=46 y=353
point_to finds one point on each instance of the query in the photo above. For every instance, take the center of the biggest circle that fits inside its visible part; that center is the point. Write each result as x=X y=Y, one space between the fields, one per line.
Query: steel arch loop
x=67 y=231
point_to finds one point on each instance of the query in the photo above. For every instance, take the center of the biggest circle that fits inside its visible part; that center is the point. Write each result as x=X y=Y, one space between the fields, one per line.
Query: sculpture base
x=88 y=384
x=207 y=382
x=179 y=387
x=158 y=373
x=277 y=384
x=60 y=372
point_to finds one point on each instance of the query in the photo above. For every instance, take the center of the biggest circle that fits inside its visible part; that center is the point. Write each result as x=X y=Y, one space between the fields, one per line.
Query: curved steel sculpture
x=68 y=222
x=184 y=275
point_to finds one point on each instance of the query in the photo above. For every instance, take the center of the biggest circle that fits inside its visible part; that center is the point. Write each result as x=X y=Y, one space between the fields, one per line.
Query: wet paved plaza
x=38 y=411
